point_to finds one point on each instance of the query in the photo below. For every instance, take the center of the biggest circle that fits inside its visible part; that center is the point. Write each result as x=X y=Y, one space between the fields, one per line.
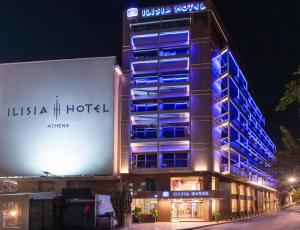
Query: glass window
x=213 y=183
x=248 y=191
x=150 y=184
x=146 y=204
x=248 y=205
x=181 y=160
x=11 y=215
x=145 y=160
x=186 y=183
x=174 y=51
x=233 y=205
x=242 y=205
x=233 y=188
x=242 y=189
x=171 y=160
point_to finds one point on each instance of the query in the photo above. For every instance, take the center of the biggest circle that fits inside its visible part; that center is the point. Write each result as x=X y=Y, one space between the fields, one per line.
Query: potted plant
x=136 y=214
x=154 y=213
x=215 y=216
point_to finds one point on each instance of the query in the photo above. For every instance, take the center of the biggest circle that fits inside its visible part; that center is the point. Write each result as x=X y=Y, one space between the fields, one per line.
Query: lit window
x=146 y=204
x=248 y=205
x=233 y=188
x=248 y=191
x=242 y=205
x=11 y=215
x=186 y=183
x=233 y=205
x=242 y=189
x=213 y=183
x=213 y=205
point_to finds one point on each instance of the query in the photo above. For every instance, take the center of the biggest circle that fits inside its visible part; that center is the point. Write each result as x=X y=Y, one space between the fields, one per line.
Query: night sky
x=265 y=33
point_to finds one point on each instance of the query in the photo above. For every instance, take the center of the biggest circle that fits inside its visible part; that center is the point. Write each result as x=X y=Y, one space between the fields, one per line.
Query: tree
x=288 y=158
x=121 y=202
x=291 y=94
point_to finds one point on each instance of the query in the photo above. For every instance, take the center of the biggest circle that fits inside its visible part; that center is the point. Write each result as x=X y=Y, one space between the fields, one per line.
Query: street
x=288 y=219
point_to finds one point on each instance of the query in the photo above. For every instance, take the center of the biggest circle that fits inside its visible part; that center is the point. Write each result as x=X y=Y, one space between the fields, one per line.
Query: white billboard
x=57 y=117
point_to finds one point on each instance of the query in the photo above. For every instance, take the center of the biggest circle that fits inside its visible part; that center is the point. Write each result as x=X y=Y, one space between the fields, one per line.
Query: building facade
x=192 y=136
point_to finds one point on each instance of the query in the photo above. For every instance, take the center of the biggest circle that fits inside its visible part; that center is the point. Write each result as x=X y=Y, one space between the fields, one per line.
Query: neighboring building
x=193 y=138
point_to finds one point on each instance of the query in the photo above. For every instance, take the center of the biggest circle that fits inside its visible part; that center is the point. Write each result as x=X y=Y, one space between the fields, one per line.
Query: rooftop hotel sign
x=57 y=116
x=167 y=10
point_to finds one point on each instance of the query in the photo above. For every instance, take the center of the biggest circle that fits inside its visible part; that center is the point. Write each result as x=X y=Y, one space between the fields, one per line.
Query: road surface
x=288 y=219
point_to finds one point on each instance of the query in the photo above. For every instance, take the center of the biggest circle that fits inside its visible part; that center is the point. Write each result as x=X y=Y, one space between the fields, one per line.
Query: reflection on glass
x=186 y=183
x=11 y=215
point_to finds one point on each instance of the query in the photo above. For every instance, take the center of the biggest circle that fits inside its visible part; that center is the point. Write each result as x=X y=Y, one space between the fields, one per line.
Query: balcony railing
x=162 y=163
x=234 y=170
x=165 y=132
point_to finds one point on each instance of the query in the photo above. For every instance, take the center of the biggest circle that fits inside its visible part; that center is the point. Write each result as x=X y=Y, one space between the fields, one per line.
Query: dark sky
x=266 y=34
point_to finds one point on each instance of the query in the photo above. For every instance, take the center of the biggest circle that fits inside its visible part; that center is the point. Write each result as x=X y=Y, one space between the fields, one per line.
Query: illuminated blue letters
x=177 y=9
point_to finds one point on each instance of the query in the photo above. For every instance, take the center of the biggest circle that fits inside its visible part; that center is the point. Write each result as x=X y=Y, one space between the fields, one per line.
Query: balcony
x=160 y=40
x=165 y=161
x=165 y=132
x=234 y=170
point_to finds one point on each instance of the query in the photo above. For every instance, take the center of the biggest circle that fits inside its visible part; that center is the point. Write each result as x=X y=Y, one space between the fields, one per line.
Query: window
x=248 y=191
x=248 y=205
x=187 y=183
x=150 y=184
x=144 y=133
x=144 y=107
x=145 y=161
x=233 y=188
x=233 y=205
x=144 y=80
x=174 y=78
x=11 y=215
x=173 y=160
x=145 y=204
x=242 y=189
x=213 y=205
x=174 y=51
x=174 y=105
x=174 y=131
x=213 y=183
x=242 y=205
x=145 y=54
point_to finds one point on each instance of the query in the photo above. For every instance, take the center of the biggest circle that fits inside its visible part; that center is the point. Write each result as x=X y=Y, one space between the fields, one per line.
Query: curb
x=227 y=222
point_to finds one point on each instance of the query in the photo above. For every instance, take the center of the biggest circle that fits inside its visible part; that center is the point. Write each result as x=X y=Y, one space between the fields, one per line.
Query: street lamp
x=292 y=179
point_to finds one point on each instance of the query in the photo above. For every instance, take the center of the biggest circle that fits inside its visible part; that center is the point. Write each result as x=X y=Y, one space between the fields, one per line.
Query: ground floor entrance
x=187 y=210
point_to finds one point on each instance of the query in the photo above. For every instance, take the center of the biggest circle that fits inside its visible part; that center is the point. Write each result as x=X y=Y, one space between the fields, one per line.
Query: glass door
x=187 y=211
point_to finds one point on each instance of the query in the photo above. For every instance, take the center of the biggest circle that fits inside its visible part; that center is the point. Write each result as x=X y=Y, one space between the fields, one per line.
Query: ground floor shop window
x=242 y=206
x=146 y=204
x=234 y=205
x=186 y=183
x=249 y=205
x=11 y=215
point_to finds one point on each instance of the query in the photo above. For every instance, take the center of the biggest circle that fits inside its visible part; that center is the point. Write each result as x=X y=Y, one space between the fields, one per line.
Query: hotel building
x=193 y=139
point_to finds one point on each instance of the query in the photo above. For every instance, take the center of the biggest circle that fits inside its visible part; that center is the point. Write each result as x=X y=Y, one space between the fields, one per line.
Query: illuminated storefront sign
x=190 y=194
x=176 y=9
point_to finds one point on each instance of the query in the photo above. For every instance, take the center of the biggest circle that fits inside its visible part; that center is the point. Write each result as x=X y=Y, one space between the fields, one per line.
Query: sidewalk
x=169 y=226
